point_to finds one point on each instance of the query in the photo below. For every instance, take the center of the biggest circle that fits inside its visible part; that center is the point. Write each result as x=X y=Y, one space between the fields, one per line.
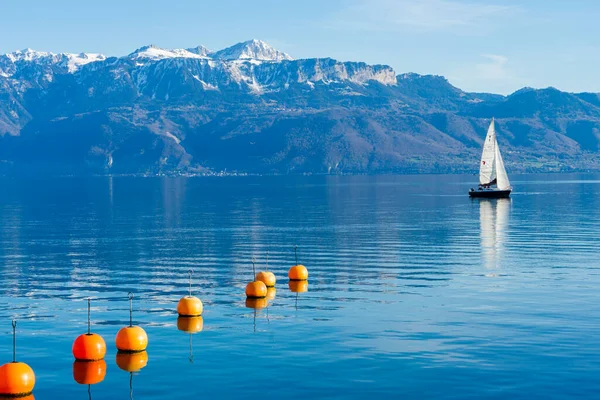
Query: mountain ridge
x=250 y=108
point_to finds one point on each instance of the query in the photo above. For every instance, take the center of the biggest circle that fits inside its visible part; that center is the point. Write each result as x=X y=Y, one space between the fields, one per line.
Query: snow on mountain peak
x=252 y=64
x=76 y=61
x=72 y=62
x=27 y=55
x=251 y=50
x=200 y=50
x=153 y=52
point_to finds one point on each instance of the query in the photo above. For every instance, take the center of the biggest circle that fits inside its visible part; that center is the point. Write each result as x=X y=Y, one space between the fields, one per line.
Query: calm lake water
x=415 y=290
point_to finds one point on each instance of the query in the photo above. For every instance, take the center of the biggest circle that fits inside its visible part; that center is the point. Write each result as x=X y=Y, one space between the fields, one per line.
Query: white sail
x=492 y=166
x=502 y=179
x=487 y=168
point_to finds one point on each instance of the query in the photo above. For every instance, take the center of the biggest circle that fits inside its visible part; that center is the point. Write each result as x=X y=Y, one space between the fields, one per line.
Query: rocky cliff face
x=252 y=108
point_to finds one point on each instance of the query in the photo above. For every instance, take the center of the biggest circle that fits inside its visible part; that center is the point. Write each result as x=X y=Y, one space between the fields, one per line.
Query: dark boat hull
x=490 y=194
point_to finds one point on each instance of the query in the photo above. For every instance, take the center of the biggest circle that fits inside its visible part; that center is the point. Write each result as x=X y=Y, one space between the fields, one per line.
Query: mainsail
x=491 y=170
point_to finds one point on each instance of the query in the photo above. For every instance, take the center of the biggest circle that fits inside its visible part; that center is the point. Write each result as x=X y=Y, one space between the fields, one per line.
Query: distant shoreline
x=232 y=174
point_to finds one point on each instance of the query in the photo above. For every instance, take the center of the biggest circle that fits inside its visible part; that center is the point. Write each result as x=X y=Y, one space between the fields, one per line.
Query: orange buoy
x=132 y=362
x=298 y=286
x=257 y=304
x=190 y=324
x=89 y=346
x=16 y=378
x=266 y=277
x=298 y=272
x=89 y=372
x=131 y=338
x=271 y=292
x=189 y=306
x=256 y=289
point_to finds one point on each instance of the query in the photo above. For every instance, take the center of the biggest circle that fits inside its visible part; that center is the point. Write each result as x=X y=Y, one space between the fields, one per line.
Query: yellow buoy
x=89 y=372
x=298 y=272
x=189 y=306
x=89 y=346
x=16 y=378
x=131 y=338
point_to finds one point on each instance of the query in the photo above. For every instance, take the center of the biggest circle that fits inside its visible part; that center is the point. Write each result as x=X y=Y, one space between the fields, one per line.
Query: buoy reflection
x=257 y=304
x=298 y=286
x=190 y=325
x=89 y=372
x=132 y=362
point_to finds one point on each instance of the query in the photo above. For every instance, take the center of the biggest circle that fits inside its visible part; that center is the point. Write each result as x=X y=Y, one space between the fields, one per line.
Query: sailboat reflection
x=494 y=218
x=190 y=325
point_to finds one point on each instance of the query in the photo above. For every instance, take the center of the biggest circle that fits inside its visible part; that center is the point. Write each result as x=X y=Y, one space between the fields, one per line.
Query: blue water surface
x=415 y=290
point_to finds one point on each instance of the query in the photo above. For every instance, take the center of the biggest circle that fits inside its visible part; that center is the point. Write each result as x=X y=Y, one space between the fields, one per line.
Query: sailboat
x=493 y=180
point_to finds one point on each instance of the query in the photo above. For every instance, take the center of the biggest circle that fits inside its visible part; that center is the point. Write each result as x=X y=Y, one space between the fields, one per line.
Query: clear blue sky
x=479 y=45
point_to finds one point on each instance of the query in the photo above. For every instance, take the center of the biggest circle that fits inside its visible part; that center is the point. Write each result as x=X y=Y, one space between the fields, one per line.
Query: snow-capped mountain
x=253 y=67
x=200 y=50
x=11 y=63
x=251 y=50
x=153 y=52
x=250 y=107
